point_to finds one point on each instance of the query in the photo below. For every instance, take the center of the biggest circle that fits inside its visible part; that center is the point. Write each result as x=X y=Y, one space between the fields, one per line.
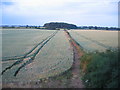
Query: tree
x=57 y=25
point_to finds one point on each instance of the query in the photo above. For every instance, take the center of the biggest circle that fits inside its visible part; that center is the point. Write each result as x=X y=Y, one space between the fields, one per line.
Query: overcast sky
x=79 y=12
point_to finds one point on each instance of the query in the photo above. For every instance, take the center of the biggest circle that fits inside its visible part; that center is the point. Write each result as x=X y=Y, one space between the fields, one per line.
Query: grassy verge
x=100 y=70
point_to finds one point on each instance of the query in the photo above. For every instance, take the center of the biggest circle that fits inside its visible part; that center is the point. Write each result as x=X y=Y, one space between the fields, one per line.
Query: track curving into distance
x=29 y=56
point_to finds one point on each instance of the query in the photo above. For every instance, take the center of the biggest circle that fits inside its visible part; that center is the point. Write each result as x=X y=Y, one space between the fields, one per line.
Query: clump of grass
x=100 y=69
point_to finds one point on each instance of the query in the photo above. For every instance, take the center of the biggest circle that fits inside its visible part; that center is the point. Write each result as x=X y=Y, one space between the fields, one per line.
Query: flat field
x=18 y=42
x=30 y=55
x=96 y=40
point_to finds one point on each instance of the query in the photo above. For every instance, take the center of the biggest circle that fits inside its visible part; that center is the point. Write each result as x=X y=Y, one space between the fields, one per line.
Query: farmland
x=96 y=40
x=31 y=55
x=21 y=41
x=53 y=58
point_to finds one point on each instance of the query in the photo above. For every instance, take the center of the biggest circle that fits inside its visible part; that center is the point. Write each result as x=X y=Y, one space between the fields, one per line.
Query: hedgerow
x=100 y=69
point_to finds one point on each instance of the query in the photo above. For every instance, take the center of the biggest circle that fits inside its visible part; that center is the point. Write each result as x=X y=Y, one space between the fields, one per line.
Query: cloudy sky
x=79 y=12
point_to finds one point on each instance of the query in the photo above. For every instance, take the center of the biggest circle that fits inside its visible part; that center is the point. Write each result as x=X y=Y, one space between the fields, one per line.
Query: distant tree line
x=57 y=25
x=21 y=27
x=98 y=28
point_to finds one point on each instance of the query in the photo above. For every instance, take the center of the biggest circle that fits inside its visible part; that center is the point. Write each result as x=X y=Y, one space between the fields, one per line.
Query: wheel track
x=28 y=57
x=31 y=59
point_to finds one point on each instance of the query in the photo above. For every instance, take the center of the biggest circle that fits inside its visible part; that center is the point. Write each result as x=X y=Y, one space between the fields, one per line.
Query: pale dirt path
x=76 y=81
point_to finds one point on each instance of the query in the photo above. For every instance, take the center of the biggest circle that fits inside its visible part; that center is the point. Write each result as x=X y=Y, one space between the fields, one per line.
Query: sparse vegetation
x=100 y=70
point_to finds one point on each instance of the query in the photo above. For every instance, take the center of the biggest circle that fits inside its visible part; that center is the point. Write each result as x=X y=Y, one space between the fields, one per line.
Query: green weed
x=100 y=69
